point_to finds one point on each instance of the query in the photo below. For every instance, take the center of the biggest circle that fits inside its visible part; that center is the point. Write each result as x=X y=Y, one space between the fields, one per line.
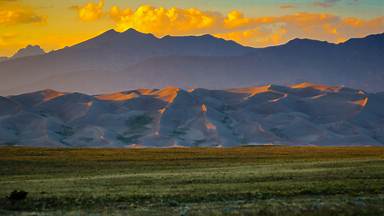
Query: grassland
x=196 y=181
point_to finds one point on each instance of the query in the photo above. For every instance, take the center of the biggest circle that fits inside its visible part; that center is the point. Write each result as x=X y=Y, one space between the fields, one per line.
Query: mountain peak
x=108 y=34
x=135 y=33
x=30 y=50
x=111 y=31
x=208 y=36
x=132 y=30
x=306 y=41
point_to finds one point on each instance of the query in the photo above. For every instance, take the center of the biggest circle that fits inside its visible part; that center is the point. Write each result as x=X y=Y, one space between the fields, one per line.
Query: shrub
x=16 y=196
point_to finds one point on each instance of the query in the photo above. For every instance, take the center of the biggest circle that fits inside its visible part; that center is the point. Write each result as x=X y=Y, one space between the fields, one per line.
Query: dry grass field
x=265 y=180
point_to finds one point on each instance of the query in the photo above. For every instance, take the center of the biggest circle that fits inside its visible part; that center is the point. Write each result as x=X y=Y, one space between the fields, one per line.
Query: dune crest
x=119 y=96
x=316 y=86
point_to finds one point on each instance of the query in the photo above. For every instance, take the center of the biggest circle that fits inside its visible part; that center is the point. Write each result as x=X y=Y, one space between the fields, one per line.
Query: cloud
x=162 y=21
x=266 y=31
x=325 y=3
x=19 y=16
x=287 y=6
x=89 y=11
x=331 y=3
x=259 y=37
x=5 y=38
x=178 y=21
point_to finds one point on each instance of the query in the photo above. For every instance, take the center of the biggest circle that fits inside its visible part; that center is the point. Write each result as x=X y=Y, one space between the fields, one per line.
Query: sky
x=55 y=24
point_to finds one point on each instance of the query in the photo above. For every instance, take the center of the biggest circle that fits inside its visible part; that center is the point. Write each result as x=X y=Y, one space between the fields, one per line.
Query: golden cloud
x=19 y=16
x=257 y=37
x=162 y=21
x=90 y=11
x=265 y=31
x=252 y=31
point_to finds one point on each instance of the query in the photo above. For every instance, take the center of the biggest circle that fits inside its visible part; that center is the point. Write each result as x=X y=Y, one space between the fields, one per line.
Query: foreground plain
x=194 y=181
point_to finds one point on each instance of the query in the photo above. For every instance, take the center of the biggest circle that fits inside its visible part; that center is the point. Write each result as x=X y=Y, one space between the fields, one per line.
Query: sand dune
x=301 y=114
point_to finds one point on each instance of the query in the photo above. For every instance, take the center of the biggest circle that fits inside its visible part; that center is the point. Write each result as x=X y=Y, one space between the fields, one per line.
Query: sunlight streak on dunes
x=50 y=94
x=167 y=94
x=120 y=96
x=316 y=86
x=210 y=126
x=203 y=108
x=252 y=91
x=362 y=102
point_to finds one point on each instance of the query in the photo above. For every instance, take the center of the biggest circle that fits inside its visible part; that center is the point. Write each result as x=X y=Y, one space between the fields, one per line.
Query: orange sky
x=55 y=24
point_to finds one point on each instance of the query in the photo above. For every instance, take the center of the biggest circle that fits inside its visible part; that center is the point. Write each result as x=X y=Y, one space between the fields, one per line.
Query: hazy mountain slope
x=298 y=60
x=28 y=51
x=302 y=114
x=100 y=57
x=116 y=61
x=25 y=52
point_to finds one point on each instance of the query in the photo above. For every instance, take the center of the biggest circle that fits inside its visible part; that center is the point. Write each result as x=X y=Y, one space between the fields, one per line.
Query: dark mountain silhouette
x=116 y=61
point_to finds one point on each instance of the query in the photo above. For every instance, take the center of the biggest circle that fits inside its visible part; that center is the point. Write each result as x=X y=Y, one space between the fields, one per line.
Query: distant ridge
x=301 y=114
x=115 y=61
x=29 y=50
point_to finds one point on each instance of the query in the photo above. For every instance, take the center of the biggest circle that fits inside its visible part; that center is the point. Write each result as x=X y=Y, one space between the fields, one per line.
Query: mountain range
x=300 y=114
x=115 y=61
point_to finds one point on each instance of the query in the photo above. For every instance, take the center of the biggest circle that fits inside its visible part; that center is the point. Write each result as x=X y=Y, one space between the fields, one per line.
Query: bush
x=16 y=196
